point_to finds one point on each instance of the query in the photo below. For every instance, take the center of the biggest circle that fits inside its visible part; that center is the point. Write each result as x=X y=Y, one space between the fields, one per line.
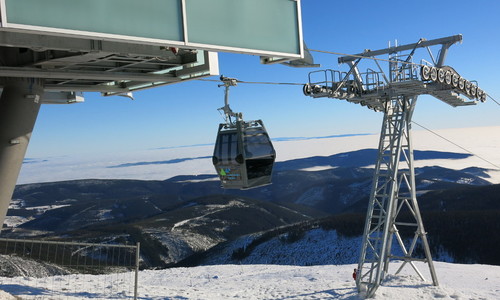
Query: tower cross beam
x=450 y=40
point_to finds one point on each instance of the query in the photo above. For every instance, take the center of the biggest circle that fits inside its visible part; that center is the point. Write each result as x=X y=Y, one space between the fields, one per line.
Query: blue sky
x=186 y=113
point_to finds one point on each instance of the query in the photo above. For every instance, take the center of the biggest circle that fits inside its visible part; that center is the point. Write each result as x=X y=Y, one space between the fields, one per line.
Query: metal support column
x=357 y=74
x=19 y=106
x=393 y=194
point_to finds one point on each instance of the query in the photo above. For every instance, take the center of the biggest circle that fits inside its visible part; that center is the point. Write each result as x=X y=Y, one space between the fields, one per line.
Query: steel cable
x=468 y=151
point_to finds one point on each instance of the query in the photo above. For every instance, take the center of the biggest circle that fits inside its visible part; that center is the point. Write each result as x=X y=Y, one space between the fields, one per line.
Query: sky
x=186 y=113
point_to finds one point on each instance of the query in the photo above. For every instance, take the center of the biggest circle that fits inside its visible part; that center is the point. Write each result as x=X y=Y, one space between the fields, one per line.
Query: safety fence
x=38 y=269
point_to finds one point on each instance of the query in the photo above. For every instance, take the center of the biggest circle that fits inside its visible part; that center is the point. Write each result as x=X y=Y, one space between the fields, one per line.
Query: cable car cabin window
x=227 y=158
x=257 y=143
x=259 y=153
x=227 y=148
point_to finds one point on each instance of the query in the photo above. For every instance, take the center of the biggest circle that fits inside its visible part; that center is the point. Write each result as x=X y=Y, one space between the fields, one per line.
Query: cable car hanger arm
x=228 y=112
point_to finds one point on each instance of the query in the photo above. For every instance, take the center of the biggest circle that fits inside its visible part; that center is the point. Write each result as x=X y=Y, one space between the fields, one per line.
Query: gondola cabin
x=244 y=155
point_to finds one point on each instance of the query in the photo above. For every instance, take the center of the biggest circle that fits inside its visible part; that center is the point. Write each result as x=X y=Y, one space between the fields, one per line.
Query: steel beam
x=368 y=53
x=84 y=75
x=40 y=42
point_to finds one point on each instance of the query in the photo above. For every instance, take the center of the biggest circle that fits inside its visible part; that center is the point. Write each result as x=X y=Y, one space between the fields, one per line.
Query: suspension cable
x=449 y=141
x=256 y=82
x=297 y=83
x=493 y=99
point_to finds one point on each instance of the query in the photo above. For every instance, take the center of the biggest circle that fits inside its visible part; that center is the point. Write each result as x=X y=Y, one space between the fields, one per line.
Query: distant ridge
x=278 y=139
x=285 y=139
x=182 y=146
x=359 y=158
x=165 y=162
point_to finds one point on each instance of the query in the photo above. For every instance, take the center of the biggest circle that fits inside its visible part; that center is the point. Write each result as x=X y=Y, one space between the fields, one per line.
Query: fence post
x=137 y=257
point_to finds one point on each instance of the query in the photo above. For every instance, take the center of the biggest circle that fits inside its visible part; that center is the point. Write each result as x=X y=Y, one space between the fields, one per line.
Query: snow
x=311 y=197
x=315 y=247
x=181 y=243
x=256 y=280
x=15 y=221
x=6 y=296
x=104 y=214
x=44 y=208
x=16 y=204
x=458 y=282
x=210 y=210
x=161 y=164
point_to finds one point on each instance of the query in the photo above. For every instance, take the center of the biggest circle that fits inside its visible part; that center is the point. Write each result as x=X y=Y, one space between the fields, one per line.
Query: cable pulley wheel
x=441 y=75
x=473 y=91
x=467 y=87
x=425 y=72
x=454 y=80
x=483 y=97
x=316 y=89
x=447 y=77
x=434 y=74
x=461 y=83
x=480 y=94
x=307 y=89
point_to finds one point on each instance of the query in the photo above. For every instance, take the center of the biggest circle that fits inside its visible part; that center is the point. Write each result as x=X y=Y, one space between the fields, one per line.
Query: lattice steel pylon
x=393 y=206
x=393 y=190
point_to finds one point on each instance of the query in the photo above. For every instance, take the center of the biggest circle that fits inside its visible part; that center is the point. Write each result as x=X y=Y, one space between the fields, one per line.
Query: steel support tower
x=393 y=208
x=393 y=191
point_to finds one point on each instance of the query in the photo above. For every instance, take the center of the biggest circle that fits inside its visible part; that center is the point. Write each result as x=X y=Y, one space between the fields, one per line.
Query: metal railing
x=331 y=80
x=42 y=259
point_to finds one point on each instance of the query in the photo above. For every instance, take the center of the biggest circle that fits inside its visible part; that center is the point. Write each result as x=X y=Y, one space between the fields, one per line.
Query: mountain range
x=185 y=219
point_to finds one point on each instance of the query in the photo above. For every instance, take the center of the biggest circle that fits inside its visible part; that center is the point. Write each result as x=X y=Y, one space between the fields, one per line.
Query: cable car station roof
x=75 y=64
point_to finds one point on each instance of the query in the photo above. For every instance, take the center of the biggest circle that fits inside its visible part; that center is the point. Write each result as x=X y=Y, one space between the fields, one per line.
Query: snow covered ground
x=161 y=164
x=457 y=282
